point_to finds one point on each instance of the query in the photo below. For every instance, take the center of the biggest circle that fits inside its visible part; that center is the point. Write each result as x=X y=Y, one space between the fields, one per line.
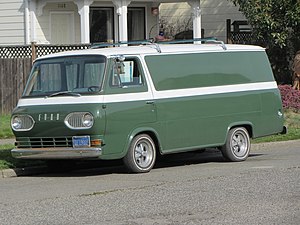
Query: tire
x=141 y=154
x=237 y=146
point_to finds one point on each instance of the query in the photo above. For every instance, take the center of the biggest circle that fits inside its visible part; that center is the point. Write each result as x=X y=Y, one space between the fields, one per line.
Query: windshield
x=72 y=75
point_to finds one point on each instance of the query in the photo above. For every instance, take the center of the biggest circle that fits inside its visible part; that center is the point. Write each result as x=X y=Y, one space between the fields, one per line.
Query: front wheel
x=237 y=146
x=141 y=154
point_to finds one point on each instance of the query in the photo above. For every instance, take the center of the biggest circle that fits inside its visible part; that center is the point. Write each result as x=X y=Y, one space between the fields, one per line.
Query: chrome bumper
x=56 y=153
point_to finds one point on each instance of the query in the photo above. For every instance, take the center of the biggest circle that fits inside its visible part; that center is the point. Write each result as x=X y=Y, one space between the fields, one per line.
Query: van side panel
x=204 y=120
x=225 y=94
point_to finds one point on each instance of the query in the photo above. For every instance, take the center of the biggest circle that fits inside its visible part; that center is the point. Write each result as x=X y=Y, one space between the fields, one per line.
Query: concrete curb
x=23 y=171
x=7 y=141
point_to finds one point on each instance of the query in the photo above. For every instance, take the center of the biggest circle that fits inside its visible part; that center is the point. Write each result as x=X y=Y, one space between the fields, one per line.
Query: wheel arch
x=145 y=130
x=246 y=124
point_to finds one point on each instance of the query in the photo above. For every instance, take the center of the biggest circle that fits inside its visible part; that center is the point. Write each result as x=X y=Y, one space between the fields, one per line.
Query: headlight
x=16 y=123
x=79 y=120
x=88 y=120
x=22 y=123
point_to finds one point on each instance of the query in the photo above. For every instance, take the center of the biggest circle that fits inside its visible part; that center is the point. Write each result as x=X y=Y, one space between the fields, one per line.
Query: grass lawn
x=5 y=131
x=292 y=121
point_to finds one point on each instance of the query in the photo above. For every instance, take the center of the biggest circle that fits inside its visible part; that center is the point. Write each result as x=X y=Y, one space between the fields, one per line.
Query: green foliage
x=5 y=131
x=277 y=23
x=275 y=20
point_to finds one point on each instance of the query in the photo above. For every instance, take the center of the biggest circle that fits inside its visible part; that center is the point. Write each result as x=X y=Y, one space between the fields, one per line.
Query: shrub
x=290 y=98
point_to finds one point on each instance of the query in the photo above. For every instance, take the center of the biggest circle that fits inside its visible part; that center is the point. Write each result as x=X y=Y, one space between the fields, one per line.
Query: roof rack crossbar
x=142 y=42
x=103 y=45
x=202 y=40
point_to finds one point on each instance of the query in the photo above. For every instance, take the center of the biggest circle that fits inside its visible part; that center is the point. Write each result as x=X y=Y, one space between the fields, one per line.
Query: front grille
x=46 y=142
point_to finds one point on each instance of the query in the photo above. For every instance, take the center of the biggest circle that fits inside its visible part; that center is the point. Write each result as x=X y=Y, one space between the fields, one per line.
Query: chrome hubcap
x=239 y=144
x=143 y=153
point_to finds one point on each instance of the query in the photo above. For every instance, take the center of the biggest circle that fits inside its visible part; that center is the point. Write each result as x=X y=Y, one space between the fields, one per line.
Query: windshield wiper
x=70 y=93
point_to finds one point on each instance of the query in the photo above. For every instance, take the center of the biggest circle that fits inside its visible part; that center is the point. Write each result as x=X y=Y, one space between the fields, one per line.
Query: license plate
x=81 y=141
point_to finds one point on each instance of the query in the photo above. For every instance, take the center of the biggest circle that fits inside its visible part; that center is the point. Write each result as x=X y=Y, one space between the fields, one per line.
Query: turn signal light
x=96 y=142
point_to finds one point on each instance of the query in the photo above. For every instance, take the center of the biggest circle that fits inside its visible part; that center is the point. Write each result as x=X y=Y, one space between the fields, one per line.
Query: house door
x=101 y=24
x=136 y=24
x=62 y=28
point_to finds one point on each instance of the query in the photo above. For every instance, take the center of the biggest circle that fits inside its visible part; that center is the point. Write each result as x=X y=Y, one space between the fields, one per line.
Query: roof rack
x=156 y=44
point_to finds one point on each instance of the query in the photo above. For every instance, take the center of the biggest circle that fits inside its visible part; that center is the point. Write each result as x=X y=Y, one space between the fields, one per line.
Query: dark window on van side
x=208 y=69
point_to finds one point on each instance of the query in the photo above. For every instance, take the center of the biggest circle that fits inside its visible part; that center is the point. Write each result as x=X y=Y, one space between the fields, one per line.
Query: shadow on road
x=102 y=167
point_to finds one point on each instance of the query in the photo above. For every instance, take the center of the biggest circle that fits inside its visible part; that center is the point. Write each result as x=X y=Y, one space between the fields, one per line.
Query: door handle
x=150 y=102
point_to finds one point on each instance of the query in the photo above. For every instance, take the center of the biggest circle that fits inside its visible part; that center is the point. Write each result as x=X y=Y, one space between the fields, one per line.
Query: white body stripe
x=61 y=100
x=223 y=89
x=128 y=97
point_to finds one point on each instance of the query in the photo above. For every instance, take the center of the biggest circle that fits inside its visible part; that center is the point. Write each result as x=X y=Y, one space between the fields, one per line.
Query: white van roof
x=157 y=49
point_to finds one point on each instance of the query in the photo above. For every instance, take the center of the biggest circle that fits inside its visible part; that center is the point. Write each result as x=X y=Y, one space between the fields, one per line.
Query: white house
x=90 y=21
x=214 y=14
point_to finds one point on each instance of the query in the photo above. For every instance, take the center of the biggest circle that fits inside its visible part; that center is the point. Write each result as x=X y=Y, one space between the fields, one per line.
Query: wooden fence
x=15 y=66
x=13 y=76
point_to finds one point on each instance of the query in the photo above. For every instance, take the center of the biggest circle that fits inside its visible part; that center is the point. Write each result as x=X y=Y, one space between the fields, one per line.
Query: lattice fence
x=14 y=52
x=42 y=50
x=241 y=37
x=35 y=51
x=246 y=38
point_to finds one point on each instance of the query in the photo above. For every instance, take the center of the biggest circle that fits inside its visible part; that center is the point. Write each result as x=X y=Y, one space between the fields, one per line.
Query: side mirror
x=119 y=58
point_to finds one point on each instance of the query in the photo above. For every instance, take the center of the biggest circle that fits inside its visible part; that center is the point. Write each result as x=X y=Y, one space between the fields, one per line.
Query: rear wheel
x=237 y=146
x=141 y=154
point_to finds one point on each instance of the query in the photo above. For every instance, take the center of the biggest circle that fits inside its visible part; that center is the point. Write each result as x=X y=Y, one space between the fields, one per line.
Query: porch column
x=122 y=16
x=32 y=14
x=196 y=18
x=26 y=22
x=84 y=12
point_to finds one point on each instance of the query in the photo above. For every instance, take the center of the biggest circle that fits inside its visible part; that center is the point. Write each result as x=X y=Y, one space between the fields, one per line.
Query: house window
x=101 y=24
x=136 y=24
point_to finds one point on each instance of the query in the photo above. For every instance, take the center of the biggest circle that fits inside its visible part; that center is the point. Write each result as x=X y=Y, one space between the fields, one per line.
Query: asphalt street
x=190 y=188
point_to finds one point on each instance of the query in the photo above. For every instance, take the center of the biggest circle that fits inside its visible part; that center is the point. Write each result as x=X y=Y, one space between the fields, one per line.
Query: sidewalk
x=7 y=141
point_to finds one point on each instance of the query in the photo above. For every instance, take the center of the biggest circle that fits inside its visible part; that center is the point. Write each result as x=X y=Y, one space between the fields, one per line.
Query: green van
x=135 y=102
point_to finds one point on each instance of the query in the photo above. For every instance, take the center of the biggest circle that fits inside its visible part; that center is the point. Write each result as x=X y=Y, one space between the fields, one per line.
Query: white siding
x=213 y=20
x=12 y=22
x=43 y=21
x=214 y=15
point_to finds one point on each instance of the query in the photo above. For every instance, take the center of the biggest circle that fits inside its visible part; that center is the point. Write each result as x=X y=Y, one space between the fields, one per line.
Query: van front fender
x=143 y=130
